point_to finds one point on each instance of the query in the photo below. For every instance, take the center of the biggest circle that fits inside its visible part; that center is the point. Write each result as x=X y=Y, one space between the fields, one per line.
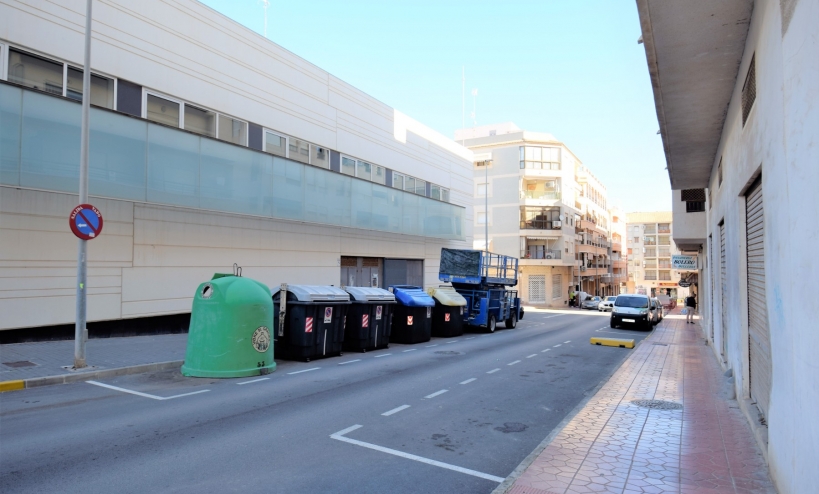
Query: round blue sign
x=85 y=221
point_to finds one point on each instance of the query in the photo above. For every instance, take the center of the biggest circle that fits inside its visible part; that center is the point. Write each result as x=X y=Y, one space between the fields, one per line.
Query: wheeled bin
x=314 y=319
x=368 y=319
x=448 y=313
x=229 y=333
x=412 y=315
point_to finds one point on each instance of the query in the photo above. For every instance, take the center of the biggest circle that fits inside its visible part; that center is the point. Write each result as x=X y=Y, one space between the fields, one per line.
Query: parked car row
x=635 y=310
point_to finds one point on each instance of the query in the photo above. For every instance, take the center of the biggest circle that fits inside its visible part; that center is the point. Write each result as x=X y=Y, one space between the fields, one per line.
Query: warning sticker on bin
x=409 y=320
x=328 y=314
x=446 y=317
x=429 y=312
x=308 y=325
x=261 y=339
x=377 y=312
x=365 y=321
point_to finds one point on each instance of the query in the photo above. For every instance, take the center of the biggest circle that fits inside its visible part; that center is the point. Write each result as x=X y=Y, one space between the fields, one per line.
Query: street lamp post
x=82 y=267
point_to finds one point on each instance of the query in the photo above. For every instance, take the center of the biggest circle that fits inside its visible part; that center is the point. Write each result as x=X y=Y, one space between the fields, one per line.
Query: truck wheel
x=512 y=321
x=490 y=326
x=612 y=325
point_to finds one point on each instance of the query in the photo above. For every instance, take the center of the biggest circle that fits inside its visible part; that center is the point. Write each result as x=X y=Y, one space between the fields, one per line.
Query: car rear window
x=634 y=302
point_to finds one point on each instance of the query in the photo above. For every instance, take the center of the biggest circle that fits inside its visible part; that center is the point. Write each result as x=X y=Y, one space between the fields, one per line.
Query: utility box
x=412 y=316
x=229 y=333
x=369 y=319
x=314 y=320
x=448 y=313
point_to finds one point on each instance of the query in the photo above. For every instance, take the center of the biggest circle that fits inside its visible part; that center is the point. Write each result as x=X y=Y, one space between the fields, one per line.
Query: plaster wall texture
x=779 y=141
x=689 y=228
x=150 y=258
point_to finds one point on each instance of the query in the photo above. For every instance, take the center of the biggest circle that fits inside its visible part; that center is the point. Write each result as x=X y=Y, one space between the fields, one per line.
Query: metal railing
x=532 y=253
x=540 y=225
x=543 y=196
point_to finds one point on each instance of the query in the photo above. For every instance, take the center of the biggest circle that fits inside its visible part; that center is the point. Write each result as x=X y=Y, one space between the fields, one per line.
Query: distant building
x=650 y=247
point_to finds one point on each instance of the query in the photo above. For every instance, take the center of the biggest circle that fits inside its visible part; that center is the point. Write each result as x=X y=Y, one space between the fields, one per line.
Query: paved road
x=451 y=415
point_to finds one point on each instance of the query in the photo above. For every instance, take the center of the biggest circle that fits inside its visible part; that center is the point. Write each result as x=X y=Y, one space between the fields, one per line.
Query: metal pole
x=82 y=267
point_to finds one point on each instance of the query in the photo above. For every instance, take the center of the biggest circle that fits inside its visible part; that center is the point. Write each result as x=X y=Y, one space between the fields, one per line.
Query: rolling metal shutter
x=723 y=287
x=537 y=288
x=711 y=267
x=759 y=336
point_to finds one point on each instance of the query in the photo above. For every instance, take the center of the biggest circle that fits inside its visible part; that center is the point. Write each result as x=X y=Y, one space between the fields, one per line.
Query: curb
x=36 y=382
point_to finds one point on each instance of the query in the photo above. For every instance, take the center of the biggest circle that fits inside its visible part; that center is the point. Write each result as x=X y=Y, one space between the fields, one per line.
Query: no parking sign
x=85 y=221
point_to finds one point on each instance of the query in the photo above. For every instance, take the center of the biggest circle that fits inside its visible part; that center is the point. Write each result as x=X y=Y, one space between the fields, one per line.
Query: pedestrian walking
x=690 y=307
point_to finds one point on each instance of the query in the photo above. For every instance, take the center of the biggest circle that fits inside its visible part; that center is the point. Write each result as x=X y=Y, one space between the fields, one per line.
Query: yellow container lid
x=447 y=295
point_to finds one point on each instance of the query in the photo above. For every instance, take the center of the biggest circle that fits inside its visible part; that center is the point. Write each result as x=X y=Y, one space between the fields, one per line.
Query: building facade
x=535 y=200
x=650 y=247
x=736 y=86
x=210 y=145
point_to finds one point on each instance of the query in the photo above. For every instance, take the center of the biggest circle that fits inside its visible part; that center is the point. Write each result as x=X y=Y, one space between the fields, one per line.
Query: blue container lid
x=412 y=296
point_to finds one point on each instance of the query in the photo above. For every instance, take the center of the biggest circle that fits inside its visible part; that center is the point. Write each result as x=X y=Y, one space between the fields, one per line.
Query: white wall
x=779 y=139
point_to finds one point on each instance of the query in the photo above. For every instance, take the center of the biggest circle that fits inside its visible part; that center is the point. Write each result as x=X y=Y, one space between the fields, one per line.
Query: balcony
x=535 y=198
x=616 y=247
x=619 y=264
x=541 y=225
x=533 y=253
x=689 y=228
x=136 y=160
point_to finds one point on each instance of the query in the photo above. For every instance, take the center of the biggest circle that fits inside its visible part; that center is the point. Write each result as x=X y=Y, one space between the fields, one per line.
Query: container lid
x=412 y=296
x=369 y=294
x=316 y=293
x=447 y=295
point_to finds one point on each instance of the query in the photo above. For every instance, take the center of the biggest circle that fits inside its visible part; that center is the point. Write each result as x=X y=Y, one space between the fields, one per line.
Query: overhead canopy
x=694 y=49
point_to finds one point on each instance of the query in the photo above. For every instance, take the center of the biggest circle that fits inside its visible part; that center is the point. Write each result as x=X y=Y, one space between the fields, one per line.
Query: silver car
x=607 y=304
x=656 y=311
x=590 y=303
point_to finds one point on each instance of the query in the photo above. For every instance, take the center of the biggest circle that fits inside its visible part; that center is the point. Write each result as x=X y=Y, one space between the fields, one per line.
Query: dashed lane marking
x=350 y=361
x=383 y=355
x=145 y=395
x=437 y=393
x=513 y=363
x=543 y=351
x=430 y=346
x=253 y=381
x=305 y=370
x=410 y=350
x=555 y=346
x=567 y=341
x=395 y=410
x=469 y=380
x=453 y=341
x=471 y=337
x=493 y=371
x=340 y=436
x=532 y=355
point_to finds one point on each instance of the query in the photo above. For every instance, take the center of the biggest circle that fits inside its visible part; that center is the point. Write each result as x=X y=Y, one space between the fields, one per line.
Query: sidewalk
x=693 y=440
x=47 y=358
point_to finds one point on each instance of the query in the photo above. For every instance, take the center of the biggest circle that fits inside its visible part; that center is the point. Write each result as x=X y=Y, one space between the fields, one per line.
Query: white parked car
x=607 y=304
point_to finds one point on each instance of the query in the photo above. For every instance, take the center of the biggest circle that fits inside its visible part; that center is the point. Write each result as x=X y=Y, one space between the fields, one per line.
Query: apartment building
x=619 y=257
x=736 y=85
x=535 y=200
x=650 y=247
x=210 y=145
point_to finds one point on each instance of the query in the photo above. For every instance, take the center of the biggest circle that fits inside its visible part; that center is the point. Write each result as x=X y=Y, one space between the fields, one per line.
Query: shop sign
x=684 y=263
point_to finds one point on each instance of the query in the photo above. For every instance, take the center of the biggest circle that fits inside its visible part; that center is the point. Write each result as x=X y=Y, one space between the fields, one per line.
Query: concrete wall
x=689 y=228
x=778 y=140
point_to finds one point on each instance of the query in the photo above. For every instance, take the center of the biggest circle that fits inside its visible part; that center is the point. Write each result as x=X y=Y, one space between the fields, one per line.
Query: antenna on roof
x=265 y=4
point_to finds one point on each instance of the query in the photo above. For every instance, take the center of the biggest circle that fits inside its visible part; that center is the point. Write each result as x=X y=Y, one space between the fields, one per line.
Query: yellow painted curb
x=12 y=385
x=612 y=342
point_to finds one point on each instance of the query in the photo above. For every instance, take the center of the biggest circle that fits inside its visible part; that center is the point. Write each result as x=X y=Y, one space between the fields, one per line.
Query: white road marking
x=549 y=317
x=410 y=350
x=437 y=393
x=453 y=341
x=493 y=371
x=471 y=337
x=567 y=341
x=542 y=351
x=339 y=436
x=395 y=410
x=145 y=395
x=350 y=361
x=254 y=381
x=430 y=346
x=305 y=370
x=469 y=380
x=383 y=355
x=513 y=363
x=555 y=346
x=532 y=355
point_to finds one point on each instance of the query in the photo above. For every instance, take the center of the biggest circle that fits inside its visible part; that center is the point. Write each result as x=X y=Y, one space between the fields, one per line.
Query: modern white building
x=650 y=249
x=736 y=86
x=538 y=202
x=210 y=145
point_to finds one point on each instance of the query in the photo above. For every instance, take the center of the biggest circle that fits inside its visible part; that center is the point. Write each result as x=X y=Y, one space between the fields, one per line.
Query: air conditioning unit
x=548 y=255
x=582 y=268
x=557 y=224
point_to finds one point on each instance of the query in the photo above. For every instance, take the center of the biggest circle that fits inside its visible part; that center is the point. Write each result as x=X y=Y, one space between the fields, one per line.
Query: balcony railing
x=136 y=160
x=534 y=253
x=541 y=225
x=541 y=196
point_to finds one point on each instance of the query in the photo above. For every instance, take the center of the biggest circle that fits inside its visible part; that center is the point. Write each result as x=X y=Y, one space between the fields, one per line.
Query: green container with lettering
x=229 y=334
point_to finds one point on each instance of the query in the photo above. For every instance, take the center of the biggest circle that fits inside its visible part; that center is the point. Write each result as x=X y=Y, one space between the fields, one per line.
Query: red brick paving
x=614 y=446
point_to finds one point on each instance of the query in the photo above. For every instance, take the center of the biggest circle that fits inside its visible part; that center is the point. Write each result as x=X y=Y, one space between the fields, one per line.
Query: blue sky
x=572 y=68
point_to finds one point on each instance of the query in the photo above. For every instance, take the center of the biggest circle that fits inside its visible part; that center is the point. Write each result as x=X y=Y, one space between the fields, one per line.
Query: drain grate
x=658 y=404
x=20 y=363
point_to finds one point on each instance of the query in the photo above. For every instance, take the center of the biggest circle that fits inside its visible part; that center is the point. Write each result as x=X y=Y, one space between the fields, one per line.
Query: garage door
x=537 y=289
x=723 y=286
x=759 y=337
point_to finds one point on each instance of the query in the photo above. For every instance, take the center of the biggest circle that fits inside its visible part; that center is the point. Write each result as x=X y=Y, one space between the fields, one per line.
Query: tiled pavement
x=615 y=446
x=49 y=357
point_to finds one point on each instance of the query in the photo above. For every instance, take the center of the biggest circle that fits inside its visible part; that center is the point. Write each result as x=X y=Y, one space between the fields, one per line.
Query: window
x=102 y=88
x=364 y=170
x=651 y=275
x=200 y=121
x=664 y=240
x=629 y=251
x=540 y=218
x=321 y=157
x=481 y=218
x=347 y=166
x=379 y=175
x=719 y=172
x=435 y=191
x=665 y=275
x=665 y=252
x=397 y=181
x=299 y=150
x=651 y=252
x=539 y=158
x=162 y=110
x=420 y=187
x=650 y=240
x=749 y=90
x=665 y=227
x=35 y=72
x=636 y=240
x=650 y=228
x=481 y=190
x=444 y=194
x=275 y=144
x=557 y=286
x=233 y=130
x=409 y=184
x=694 y=207
x=664 y=264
